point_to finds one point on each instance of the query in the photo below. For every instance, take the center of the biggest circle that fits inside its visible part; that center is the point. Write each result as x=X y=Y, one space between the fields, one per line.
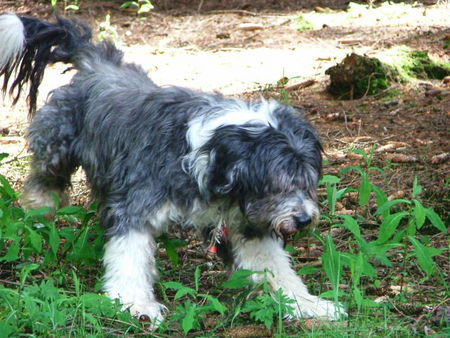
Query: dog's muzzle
x=295 y=224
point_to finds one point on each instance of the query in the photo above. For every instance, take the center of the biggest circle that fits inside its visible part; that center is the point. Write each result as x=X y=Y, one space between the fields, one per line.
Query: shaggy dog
x=156 y=156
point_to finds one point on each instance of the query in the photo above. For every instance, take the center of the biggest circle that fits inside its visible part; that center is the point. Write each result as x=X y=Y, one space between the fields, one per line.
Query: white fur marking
x=267 y=253
x=12 y=39
x=130 y=273
x=238 y=113
x=201 y=129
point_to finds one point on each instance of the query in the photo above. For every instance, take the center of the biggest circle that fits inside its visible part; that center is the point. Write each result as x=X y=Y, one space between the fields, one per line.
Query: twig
x=233 y=11
x=300 y=85
x=15 y=158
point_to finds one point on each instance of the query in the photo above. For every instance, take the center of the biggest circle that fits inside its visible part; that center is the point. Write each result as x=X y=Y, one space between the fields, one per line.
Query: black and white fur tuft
x=155 y=156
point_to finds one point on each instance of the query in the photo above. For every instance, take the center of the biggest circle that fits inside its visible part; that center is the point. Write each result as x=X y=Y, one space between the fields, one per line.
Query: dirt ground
x=245 y=51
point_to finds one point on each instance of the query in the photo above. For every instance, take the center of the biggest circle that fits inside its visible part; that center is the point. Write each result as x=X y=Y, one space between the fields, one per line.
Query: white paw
x=315 y=307
x=153 y=310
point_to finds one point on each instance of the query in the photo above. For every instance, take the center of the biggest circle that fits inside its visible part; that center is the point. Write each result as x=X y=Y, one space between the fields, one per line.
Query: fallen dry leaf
x=401 y=158
x=396 y=195
x=345 y=212
x=391 y=146
x=441 y=158
x=250 y=26
x=11 y=140
x=356 y=138
x=382 y=299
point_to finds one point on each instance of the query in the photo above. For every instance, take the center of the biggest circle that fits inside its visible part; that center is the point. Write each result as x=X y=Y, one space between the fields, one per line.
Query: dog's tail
x=28 y=45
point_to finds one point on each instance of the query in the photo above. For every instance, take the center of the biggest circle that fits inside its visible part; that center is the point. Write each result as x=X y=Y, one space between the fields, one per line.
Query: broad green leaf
x=352 y=225
x=436 y=220
x=389 y=226
x=420 y=213
x=38 y=212
x=389 y=204
x=53 y=238
x=417 y=188
x=424 y=255
x=3 y=156
x=215 y=303
x=26 y=271
x=330 y=294
x=342 y=192
x=174 y=285
x=128 y=4
x=357 y=296
x=332 y=264
x=188 y=321
x=331 y=197
x=145 y=8
x=378 y=251
x=6 y=189
x=184 y=291
x=381 y=198
x=308 y=270
x=365 y=189
x=239 y=279
x=352 y=167
x=329 y=179
x=35 y=239
x=13 y=252
x=70 y=210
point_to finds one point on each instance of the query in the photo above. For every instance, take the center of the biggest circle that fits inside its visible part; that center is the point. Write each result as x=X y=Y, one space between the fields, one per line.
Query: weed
x=193 y=310
x=142 y=6
x=107 y=31
x=67 y=4
x=304 y=24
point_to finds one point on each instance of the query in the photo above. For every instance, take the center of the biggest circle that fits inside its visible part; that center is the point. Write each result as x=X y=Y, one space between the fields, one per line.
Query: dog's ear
x=223 y=174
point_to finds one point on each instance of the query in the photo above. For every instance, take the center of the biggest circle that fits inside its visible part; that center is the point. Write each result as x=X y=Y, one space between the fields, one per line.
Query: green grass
x=50 y=272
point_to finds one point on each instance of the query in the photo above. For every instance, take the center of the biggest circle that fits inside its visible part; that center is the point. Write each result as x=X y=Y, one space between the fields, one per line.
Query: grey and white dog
x=155 y=156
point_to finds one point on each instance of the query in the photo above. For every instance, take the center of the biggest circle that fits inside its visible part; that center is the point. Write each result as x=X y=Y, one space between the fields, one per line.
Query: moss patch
x=357 y=76
x=412 y=64
x=419 y=65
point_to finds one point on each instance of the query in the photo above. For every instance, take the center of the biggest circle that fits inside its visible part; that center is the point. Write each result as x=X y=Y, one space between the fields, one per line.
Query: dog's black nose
x=302 y=220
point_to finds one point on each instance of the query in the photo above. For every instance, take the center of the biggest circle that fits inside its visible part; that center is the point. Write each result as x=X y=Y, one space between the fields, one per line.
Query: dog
x=157 y=156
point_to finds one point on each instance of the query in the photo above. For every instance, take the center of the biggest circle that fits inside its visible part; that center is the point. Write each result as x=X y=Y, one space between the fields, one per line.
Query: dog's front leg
x=259 y=254
x=130 y=273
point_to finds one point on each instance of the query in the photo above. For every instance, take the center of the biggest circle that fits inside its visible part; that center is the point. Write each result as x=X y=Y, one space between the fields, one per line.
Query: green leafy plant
x=142 y=6
x=171 y=245
x=68 y=5
x=195 y=306
x=397 y=228
x=269 y=305
x=107 y=30
x=304 y=24
x=333 y=194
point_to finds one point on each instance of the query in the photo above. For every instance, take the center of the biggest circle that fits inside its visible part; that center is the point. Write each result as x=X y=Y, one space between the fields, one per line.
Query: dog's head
x=270 y=171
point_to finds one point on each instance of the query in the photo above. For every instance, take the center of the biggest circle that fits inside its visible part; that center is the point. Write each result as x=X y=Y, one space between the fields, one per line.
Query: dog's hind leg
x=50 y=137
x=260 y=254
